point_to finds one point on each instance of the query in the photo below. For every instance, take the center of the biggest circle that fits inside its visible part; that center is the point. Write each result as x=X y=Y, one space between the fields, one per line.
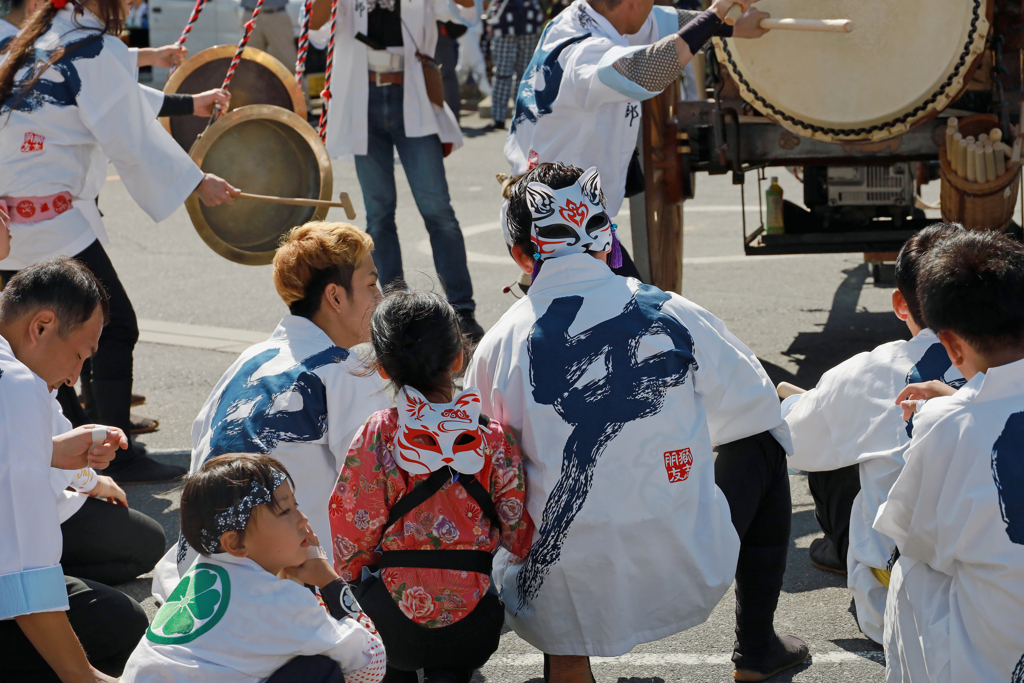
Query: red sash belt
x=35 y=209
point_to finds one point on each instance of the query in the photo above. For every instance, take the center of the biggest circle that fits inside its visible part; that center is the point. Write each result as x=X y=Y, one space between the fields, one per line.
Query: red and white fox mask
x=432 y=435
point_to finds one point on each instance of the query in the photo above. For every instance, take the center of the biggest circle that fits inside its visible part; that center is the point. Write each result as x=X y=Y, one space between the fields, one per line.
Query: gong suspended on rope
x=903 y=63
x=264 y=150
x=258 y=79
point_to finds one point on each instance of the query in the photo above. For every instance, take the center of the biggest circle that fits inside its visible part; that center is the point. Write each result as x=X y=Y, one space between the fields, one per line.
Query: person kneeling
x=233 y=617
x=428 y=491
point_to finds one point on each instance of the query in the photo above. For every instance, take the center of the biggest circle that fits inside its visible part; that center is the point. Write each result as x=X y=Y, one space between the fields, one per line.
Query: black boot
x=112 y=400
x=760 y=653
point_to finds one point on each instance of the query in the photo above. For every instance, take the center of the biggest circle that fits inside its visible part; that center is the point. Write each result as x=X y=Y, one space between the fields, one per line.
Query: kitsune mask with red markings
x=571 y=220
x=432 y=435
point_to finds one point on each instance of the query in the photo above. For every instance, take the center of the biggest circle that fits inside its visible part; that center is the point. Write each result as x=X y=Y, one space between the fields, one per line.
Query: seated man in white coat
x=617 y=392
x=851 y=419
x=956 y=597
x=52 y=627
x=301 y=395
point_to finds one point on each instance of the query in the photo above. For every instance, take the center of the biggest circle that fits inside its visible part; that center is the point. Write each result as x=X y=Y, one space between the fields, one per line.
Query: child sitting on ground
x=427 y=493
x=850 y=419
x=956 y=597
x=231 y=619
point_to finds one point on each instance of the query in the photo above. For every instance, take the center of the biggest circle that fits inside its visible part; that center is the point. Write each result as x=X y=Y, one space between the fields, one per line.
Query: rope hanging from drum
x=300 y=58
x=961 y=64
x=238 y=53
x=193 y=18
x=326 y=94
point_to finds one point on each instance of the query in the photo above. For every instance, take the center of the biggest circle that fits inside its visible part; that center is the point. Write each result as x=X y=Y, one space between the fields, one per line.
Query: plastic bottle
x=773 y=198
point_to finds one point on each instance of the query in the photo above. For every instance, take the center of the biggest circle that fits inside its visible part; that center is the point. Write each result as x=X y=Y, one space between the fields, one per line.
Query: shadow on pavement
x=847 y=332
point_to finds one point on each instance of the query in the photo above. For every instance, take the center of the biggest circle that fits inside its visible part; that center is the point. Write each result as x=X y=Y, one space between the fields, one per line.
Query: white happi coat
x=956 y=597
x=231 y=621
x=851 y=418
x=347 y=132
x=88 y=102
x=31 y=578
x=617 y=392
x=296 y=397
x=574 y=107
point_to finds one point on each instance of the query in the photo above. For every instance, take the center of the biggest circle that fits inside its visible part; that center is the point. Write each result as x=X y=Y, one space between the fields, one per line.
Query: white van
x=220 y=23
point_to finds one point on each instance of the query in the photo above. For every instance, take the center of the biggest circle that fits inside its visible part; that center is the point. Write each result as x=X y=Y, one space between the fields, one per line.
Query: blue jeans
x=423 y=160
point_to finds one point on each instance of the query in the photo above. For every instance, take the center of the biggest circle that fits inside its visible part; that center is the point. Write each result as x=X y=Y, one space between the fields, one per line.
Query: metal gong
x=260 y=149
x=259 y=79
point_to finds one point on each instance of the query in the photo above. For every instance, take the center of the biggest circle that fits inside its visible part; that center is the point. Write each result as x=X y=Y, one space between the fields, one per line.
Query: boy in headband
x=232 y=619
x=617 y=392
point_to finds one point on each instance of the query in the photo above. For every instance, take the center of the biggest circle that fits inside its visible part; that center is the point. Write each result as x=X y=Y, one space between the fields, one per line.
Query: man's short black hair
x=63 y=285
x=218 y=486
x=972 y=283
x=909 y=259
x=557 y=176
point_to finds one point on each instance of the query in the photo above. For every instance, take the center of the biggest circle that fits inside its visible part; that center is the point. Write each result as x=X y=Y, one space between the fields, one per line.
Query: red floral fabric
x=371 y=483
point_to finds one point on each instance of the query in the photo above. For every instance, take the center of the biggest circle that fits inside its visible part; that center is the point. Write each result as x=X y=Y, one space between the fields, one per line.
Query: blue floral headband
x=237 y=516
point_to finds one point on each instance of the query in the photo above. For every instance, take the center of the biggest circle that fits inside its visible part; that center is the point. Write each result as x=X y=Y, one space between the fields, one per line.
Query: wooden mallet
x=343 y=203
x=819 y=25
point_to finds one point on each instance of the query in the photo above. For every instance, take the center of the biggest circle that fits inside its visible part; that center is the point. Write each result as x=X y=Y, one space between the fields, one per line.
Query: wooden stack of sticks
x=982 y=159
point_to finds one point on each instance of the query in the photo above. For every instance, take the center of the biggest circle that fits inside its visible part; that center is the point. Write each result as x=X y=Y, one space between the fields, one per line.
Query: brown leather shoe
x=143 y=425
x=137 y=400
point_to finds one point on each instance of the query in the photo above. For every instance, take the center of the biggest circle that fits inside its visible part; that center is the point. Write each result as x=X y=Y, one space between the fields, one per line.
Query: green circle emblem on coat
x=194 y=607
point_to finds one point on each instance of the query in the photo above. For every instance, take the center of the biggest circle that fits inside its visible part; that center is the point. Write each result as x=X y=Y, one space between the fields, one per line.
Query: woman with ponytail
x=68 y=93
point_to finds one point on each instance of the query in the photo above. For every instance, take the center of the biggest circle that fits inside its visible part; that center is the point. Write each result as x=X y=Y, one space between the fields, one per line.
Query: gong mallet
x=820 y=25
x=343 y=202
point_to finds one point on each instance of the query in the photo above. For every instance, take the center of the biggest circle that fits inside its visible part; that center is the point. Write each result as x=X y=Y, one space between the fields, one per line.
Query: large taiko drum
x=265 y=150
x=903 y=63
x=259 y=79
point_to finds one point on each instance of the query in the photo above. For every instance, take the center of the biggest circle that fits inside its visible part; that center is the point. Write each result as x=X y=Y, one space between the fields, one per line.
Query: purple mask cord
x=615 y=258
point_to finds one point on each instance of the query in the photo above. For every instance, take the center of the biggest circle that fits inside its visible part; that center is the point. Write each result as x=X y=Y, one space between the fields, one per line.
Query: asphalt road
x=801 y=315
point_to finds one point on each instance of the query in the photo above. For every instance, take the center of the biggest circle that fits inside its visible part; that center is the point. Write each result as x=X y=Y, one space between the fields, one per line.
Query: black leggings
x=833 y=493
x=752 y=474
x=108 y=623
x=460 y=648
x=110 y=544
x=315 y=669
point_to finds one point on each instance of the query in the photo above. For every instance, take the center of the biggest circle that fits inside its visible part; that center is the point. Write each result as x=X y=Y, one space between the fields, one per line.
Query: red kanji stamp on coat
x=677 y=465
x=33 y=143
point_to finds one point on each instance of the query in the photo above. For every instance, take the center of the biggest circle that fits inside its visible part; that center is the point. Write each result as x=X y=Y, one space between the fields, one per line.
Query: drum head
x=260 y=149
x=904 y=62
x=259 y=79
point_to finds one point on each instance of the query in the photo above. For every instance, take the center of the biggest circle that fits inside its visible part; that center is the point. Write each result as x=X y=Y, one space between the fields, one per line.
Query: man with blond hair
x=300 y=395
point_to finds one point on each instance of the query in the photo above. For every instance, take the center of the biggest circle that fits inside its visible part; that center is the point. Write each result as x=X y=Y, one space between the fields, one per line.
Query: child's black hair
x=416 y=338
x=218 y=485
x=972 y=283
x=909 y=259
x=520 y=221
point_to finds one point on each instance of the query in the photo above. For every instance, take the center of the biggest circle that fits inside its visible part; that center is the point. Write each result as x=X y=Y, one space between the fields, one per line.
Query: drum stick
x=961 y=159
x=957 y=137
x=820 y=25
x=995 y=135
x=297 y=201
x=1000 y=159
x=785 y=390
x=980 y=173
x=953 y=121
x=990 y=163
x=950 y=132
x=983 y=138
x=972 y=171
x=1015 y=157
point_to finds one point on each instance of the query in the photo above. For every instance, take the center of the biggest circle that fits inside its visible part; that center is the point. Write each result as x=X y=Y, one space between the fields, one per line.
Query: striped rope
x=188 y=26
x=300 y=59
x=326 y=94
x=249 y=25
